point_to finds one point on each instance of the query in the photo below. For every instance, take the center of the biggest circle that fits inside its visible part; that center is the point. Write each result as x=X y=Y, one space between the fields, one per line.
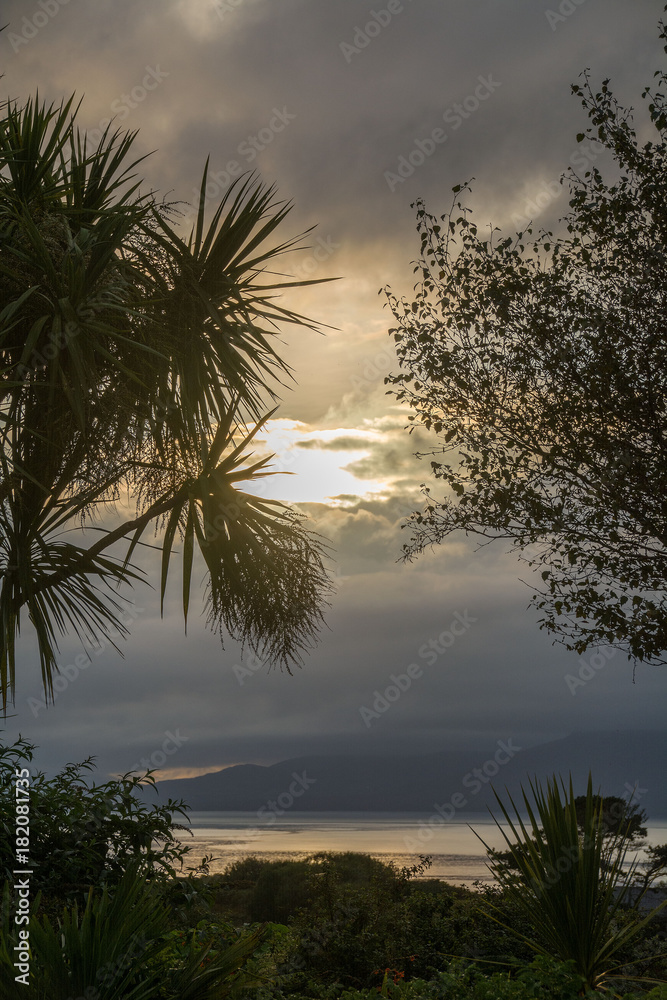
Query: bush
x=120 y=948
x=450 y=925
x=351 y=915
x=358 y=919
x=83 y=834
x=282 y=888
x=543 y=979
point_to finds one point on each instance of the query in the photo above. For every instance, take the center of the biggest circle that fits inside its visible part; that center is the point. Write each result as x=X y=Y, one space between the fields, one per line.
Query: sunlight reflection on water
x=457 y=854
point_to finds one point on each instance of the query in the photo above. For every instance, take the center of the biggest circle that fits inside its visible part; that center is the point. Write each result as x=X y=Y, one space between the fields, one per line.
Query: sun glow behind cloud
x=318 y=471
x=169 y=773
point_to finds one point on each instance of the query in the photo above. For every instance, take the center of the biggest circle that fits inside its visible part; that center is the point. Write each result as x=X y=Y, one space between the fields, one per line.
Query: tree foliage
x=541 y=364
x=617 y=816
x=136 y=366
x=84 y=834
x=655 y=866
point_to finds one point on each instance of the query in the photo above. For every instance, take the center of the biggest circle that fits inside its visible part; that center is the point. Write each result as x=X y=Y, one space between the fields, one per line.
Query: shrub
x=543 y=979
x=356 y=920
x=281 y=889
x=449 y=925
x=120 y=948
x=83 y=834
x=570 y=883
x=351 y=914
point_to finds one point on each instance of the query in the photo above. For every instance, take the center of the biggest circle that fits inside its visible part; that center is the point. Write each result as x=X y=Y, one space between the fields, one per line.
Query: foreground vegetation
x=137 y=361
x=333 y=927
x=119 y=916
x=537 y=359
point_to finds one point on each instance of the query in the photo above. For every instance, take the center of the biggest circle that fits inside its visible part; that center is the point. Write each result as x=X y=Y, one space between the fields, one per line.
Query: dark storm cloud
x=500 y=677
x=495 y=679
x=353 y=119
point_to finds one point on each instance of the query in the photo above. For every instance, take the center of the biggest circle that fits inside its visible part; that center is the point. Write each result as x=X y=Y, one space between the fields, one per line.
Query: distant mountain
x=453 y=780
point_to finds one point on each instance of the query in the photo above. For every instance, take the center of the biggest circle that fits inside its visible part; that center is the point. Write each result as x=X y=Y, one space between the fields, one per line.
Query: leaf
x=188 y=555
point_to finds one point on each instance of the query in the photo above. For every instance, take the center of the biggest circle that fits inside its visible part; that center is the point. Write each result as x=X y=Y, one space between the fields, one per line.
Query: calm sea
x=456 y=852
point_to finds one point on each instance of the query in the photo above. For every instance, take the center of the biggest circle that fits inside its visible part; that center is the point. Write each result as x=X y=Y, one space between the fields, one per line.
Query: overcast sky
x=328 y=99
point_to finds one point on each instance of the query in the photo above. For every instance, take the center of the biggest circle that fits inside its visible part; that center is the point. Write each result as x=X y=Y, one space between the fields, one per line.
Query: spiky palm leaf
x=113 y=950
x=131 y=358
x=571 y=885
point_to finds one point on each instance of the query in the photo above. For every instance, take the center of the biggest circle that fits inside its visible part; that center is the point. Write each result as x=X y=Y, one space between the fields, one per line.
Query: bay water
x=456 y=852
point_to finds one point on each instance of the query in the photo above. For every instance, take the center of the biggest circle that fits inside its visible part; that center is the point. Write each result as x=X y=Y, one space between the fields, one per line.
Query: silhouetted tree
x=541 y=364
x=137 y=363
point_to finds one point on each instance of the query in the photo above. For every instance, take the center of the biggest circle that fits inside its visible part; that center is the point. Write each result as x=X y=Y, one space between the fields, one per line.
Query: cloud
x=335 y=444
x=502 y=676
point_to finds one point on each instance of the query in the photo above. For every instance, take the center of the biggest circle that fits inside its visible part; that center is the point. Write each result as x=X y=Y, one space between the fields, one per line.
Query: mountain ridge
x=619 y=761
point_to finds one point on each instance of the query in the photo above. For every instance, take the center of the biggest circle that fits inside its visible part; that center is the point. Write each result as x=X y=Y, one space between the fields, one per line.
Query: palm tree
x=137 y=362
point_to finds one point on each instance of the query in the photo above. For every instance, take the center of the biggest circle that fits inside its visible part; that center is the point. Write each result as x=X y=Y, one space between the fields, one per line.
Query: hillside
x=618 y=761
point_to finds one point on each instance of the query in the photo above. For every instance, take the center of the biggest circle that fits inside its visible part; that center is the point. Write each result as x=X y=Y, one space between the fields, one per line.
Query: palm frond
x=32 y=139
x=82 y=599
x=214 y=296
x=133 y=358
x=570 y=885
x=267 y=580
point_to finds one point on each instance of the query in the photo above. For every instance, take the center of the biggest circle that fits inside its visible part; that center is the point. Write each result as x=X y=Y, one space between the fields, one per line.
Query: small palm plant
x=569 y=877
x=116 y=948
x=138 y=362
